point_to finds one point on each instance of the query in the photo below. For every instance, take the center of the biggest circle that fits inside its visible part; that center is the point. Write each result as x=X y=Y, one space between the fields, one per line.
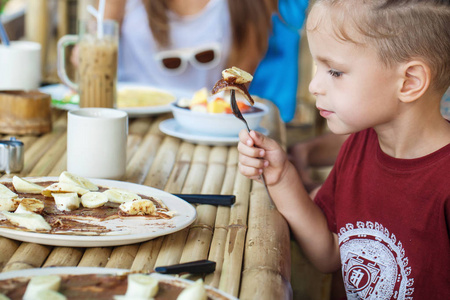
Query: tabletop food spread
x=137 y=224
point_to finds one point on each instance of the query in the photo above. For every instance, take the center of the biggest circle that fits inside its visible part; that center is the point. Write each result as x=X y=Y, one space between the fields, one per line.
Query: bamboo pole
x=122 y=257
x=95 y=257
x=173 y=244
x=64 y=256
x=142 y=160
x=163 y=163
x=48 y=161
x=234 y=249
x=267 y=252
x=146 y=256
x=39 y=148
x=27 y=256
x=8 y=248
x=218 y=243
x=200 y=234
x=60 y=166
x=181 y=168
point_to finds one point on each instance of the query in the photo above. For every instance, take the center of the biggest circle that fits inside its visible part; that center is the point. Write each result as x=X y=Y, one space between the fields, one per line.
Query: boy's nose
x=315 y=85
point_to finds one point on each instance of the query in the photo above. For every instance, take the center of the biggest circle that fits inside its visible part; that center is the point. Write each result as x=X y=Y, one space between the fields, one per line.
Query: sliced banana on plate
x=38 y=284
x=93 y=199
x=120 y=195
x=49 y=295
x=6 y=193
x=195 y=291
x=30 y=205
x=141 y=286
x=237 y=75
x=71 y=178
x=138 y=207
x=62 y=187
x=24 y=186
x=9 y=204
x=66 y=201
x=30 y=221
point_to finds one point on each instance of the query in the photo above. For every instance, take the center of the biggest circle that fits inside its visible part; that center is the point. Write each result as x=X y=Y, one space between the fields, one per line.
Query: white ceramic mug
x=97 y=142
x=20 y=66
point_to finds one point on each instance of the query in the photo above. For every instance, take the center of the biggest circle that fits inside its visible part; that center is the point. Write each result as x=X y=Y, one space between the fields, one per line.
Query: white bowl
x=219 y=124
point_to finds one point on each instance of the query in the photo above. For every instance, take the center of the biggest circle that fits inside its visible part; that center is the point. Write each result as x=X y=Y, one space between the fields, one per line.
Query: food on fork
x=234 y=79
x=39 y=284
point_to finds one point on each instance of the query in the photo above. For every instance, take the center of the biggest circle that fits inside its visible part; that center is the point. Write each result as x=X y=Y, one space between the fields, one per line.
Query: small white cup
x=20 y=66
x=97 y=142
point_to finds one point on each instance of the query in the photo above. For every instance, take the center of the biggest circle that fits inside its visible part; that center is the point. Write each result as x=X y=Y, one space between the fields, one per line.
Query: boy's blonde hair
x=400 y=30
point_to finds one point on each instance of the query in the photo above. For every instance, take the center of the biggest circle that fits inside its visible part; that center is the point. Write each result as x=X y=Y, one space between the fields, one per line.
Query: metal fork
x=238 y=114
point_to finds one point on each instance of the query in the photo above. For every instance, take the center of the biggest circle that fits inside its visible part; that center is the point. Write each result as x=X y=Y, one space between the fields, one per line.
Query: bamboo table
x=249 y=241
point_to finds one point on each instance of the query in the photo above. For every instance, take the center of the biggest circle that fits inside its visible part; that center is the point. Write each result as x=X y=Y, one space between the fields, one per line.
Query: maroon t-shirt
x=392 y=217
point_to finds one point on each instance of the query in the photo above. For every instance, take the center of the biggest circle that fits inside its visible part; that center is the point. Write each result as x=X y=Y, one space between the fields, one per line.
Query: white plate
x=95 y=270
x=172 y=128
x=125 y=230
x=59 y=91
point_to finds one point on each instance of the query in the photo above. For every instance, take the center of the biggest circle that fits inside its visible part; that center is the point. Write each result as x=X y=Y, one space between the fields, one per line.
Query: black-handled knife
x=193 y=267
x=225 y=200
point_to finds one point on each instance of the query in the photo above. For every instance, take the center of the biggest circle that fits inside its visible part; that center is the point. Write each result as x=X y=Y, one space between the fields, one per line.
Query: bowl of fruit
x=212 y=115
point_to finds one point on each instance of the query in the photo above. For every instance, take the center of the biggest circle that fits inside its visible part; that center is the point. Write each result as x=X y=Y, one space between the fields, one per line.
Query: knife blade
x=224 y=200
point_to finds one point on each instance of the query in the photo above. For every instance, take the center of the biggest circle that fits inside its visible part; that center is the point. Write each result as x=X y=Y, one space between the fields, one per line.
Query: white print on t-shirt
x=374 y=265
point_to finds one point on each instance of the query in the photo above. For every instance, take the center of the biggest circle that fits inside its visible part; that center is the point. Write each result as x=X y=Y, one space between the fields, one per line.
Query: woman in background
x=185 y=44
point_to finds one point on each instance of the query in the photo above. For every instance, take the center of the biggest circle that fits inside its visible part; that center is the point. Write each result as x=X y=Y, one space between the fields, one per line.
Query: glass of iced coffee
x=97 y=47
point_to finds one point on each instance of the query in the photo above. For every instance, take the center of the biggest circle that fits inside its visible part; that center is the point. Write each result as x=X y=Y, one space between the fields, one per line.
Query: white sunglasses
x=175 y=61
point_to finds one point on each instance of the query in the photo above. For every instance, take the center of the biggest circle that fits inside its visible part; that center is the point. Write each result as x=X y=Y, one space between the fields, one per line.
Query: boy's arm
x=258 y=153
x=307 y=221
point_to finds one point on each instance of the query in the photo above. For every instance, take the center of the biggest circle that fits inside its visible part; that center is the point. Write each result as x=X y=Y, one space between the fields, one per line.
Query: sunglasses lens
x=205 y=56
x=171 y=62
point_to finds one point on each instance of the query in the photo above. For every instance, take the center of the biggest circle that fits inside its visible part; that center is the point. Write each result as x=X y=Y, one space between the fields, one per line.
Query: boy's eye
x=335 y=73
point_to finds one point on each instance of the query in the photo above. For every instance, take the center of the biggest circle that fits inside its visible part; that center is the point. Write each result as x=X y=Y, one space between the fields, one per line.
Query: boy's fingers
x=262 y=141
x=252 y=162
x=249 y=150
x=250 y=172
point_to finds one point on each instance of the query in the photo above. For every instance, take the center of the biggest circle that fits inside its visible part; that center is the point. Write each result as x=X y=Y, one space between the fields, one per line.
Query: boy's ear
x=416 y=76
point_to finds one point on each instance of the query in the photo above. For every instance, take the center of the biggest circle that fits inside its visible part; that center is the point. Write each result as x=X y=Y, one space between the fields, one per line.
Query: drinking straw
x=99 y=15
x=4 y=35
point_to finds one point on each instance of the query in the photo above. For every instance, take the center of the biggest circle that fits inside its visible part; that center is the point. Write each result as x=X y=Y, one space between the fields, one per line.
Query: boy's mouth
x=324 y=113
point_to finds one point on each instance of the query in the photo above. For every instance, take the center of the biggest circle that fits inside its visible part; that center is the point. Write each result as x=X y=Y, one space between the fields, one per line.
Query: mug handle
x=61 y=61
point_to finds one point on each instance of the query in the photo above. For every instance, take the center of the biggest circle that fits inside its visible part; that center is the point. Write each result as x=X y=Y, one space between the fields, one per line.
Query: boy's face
x=353 y=89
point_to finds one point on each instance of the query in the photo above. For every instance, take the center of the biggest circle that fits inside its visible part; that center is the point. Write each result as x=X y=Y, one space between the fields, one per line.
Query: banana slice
x=141 y=286
x=9 y=204
x=138 y=207
x=30 y=205
x=29 y=220
x=93 y=199
x=49 y=295
x=41 y=283
x=120 y=196
x=66 y=201
x=237 y=75
x=6 y=193
x=77 y=180
x=195 y=291
x=24 y=186
x=62 y=187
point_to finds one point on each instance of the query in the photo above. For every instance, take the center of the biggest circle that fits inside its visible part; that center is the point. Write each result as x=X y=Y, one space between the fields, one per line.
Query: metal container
x=11 y=155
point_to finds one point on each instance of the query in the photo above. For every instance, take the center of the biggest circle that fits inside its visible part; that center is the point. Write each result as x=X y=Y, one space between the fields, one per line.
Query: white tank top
x=137 y=48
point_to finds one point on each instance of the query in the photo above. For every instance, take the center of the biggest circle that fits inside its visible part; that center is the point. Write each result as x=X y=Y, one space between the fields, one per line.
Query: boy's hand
x=258 y=154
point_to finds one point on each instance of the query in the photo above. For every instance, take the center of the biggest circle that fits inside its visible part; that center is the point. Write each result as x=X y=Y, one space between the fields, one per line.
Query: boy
x=383 y=215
